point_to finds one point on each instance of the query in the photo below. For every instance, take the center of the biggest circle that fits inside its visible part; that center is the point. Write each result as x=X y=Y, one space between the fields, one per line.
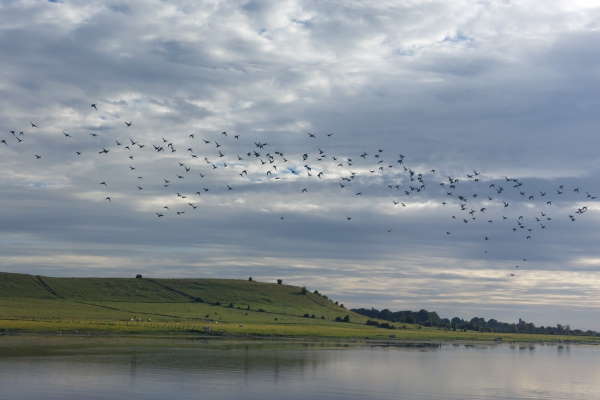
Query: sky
x=475 y=90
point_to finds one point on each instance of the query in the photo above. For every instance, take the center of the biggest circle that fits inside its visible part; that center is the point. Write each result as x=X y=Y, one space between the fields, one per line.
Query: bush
x=380 y=324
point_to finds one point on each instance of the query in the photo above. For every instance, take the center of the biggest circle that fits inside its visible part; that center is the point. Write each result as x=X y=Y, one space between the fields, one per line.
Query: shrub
x=344 y=319
x=380 y=324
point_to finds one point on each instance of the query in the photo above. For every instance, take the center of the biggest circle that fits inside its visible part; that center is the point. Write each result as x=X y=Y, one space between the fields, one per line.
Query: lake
x=95 y=368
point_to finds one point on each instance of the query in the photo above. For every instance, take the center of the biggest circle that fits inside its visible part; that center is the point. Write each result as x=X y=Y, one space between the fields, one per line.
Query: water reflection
x=201 y=370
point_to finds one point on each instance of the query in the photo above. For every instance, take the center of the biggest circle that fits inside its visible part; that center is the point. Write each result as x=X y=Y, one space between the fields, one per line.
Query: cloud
x=506 y=89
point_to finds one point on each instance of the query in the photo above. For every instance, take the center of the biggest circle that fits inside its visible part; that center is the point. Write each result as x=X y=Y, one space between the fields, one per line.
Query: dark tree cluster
x=431 y=318
x=346 y=318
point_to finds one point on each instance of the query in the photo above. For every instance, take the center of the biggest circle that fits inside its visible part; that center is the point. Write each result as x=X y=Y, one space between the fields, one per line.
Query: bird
x=389 y=172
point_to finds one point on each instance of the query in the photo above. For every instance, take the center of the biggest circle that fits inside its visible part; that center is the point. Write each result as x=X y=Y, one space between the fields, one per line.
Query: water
x=124 y=369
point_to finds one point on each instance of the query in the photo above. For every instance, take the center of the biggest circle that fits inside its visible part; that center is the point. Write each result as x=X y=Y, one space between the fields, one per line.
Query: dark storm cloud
x=509 y=90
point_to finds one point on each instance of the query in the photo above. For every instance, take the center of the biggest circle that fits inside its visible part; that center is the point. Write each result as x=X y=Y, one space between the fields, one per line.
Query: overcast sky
x=505 y=88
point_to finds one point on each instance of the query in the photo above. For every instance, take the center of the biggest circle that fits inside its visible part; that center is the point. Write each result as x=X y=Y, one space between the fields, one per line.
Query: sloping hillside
x=228 y=293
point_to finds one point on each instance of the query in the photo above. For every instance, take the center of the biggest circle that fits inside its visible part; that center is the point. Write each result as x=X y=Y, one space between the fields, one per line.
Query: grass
x=197 y=307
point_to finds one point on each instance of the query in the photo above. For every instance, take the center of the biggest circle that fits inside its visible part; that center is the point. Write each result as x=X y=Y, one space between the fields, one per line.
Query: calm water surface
x=94 y=369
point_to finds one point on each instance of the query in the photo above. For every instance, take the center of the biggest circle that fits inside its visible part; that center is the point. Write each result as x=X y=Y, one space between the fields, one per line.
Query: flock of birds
x=472 y=196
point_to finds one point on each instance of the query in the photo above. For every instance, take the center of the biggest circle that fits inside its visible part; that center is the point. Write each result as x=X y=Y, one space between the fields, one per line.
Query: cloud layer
x=506 y=89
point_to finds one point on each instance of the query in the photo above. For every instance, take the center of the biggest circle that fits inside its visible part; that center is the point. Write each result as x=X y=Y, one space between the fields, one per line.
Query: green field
x=198 y=307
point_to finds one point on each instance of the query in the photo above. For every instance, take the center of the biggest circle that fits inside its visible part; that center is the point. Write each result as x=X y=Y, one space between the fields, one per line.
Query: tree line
x=431 y=318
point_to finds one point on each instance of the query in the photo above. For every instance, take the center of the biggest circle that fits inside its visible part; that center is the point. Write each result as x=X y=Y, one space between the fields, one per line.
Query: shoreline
x=274 y=338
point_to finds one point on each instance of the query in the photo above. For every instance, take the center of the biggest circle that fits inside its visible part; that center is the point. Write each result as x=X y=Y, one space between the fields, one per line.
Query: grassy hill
x=31 y=303
x=233 y=294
